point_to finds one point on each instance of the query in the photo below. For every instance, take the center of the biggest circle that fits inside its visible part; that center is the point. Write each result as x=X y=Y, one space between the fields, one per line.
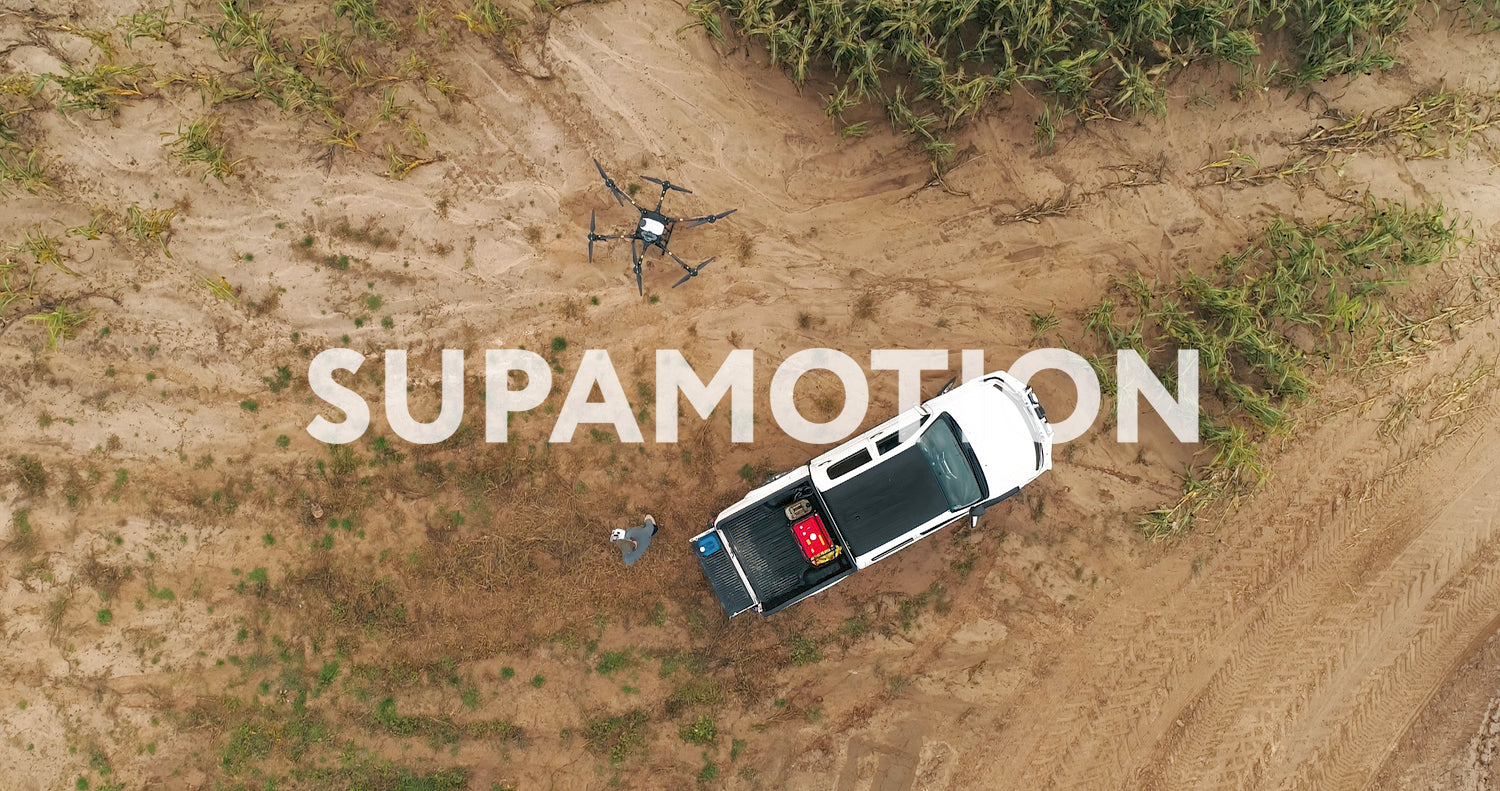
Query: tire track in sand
x=1227 y=681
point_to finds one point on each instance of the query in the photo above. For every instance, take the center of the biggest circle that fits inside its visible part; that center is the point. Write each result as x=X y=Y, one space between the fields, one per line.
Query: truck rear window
x=950 y=465
x=893 y=440
x=848 y=464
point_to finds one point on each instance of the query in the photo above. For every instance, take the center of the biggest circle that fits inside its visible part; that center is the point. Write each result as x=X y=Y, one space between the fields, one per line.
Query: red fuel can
x=812 y=536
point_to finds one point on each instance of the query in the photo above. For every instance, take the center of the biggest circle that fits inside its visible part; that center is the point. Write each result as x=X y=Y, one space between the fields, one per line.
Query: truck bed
x=760 y=538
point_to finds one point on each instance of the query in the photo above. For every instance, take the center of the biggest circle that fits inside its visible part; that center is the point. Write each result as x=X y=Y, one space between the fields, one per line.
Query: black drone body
x=653 y=229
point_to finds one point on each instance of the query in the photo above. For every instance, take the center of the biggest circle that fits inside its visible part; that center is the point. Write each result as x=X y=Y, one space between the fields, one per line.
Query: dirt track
x=1463 y=712
x=1316 y=626
x=1296 y=660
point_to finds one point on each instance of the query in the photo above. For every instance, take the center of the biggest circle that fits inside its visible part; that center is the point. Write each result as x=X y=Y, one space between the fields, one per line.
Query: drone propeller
x=620 y=197
x=667 y=185
x=712 y=218
x=639 y=290
x=591 y=236
x=692 y=271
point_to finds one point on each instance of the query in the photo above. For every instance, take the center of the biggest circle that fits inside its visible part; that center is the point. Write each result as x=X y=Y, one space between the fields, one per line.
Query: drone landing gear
x=636 y=258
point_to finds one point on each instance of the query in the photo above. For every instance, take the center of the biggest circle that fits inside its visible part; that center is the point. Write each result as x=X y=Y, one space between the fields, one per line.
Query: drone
x=653 y=229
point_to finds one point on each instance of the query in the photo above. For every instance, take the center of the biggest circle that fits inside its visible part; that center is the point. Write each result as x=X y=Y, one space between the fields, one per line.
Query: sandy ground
x=1462 y=712
x=1291 y=642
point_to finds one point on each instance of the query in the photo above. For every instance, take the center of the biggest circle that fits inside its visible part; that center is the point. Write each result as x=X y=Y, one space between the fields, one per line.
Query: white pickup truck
x=969 y=448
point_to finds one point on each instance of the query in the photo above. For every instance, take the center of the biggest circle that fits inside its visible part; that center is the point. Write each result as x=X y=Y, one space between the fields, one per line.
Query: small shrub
x=701 y=731
x=617 y=736
x=805 y=651
x=611 y=661
x=326 y=677
x=31 y=475
x=709 y=771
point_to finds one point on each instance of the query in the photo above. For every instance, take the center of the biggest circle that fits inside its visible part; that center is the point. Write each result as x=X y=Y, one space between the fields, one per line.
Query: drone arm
x=621 y=197
x=680 y=262
x=708 y=218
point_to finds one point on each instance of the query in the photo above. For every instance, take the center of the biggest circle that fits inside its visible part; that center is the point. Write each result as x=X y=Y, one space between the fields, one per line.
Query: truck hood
x=1010 y=440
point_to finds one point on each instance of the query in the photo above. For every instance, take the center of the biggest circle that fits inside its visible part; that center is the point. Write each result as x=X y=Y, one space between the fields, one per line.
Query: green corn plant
x=1043 y=323
x=43 y=249
x=99 y=88
x=706 y=13
x=442 y=85
x=93 y=229
x=329 y=51
x=856 y=129
x=16 y=283
x=149 y=23
x=954 y=57
x=388 y=108
x=1236 y=453
x=211 y=88
x=221 y=288
x=364 y=18
x=150 y=225
x=489 y=20
x=414 y=134
x=24 y=172
x=414 y=67
x=61 y=322
x=1045 y=131
x=1327 y=277
x=200 y=143
x=1176 y=521
x=1100 y=319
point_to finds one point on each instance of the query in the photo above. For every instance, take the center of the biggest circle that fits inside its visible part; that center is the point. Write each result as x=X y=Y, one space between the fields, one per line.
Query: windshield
x=949 y=465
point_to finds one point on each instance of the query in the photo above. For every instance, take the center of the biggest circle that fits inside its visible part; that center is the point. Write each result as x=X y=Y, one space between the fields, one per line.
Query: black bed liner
x=761 y=538
x=726 y=582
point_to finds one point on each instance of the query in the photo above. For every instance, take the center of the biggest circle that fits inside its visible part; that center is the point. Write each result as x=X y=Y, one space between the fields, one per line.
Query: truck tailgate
x=713 y=555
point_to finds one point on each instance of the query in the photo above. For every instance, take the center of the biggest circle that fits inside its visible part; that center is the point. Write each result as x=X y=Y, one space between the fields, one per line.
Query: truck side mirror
x=974 y=514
